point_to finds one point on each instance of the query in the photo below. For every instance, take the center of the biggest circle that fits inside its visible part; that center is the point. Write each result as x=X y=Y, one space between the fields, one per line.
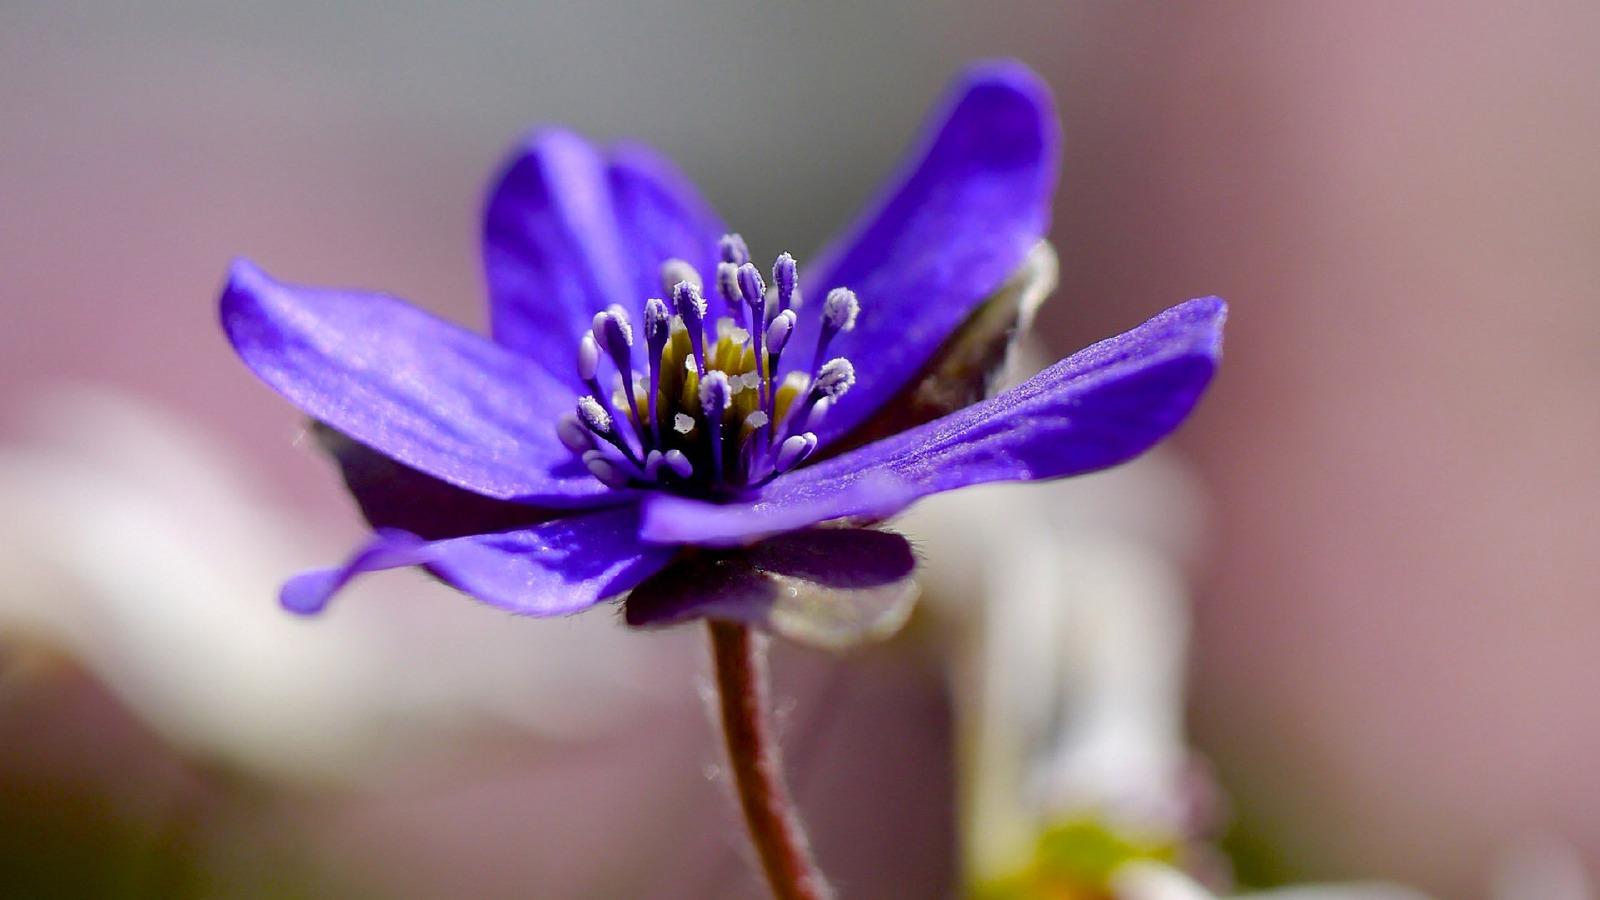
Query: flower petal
x=568 y=232
x=1099 y=407
x=426 y=392
x=830 y=587
x=661 y=216
x=969 y=204
x=555 y=568
x=394 y=495
x=980 y=355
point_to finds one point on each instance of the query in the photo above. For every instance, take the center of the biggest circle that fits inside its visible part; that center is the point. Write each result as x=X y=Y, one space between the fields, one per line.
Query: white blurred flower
x=1068 y=609
x=1541 y=867
x=129 y=544
x=1153 y=881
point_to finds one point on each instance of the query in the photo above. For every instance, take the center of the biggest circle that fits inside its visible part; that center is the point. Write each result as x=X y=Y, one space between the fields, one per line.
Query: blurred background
x=1395 y=575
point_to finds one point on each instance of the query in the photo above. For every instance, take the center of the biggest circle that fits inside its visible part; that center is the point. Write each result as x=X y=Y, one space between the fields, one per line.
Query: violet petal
x=1099 y=407
x=558 y=567
x=661 y=216
x=426 y=392
x=568 y=232
x=393 y=495
x=969 y=203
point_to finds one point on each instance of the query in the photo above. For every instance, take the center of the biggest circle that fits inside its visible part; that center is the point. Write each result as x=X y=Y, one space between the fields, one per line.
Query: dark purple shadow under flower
x=647 y=393
x=753 y=583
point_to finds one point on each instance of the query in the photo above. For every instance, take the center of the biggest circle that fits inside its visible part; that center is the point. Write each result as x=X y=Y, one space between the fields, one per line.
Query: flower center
x=710 y=412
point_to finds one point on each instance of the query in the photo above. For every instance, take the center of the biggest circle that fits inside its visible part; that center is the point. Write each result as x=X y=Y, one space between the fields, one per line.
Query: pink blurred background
x=1397 y=633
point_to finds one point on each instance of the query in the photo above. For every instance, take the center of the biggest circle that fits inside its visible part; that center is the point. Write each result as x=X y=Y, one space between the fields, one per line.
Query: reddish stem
x=769 y=813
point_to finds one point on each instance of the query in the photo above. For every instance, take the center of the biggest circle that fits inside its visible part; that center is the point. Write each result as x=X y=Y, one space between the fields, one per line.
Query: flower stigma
x=712 y=412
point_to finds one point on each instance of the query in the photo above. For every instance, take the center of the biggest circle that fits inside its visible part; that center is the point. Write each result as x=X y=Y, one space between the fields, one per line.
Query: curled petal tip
x=1005 y=74
x=308 y=593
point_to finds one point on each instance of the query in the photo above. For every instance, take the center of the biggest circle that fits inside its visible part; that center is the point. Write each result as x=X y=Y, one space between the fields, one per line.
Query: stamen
x=657 y=329
x=839 y=313
x=676 y=270
x=715 y=398
x=794 y=451
x=691 y=308
x=835 y=377
x=778 y=332
x=754 y=291
x=777 y=338
x=605 y=469
x=722 y=374
x=597 y=420
x=728 y=288
x=678 y=463
x=573 y=435
x=588 y=357
x=819 y=411
x=614 y=334
x=593 y=416
x=732 y=249
x=784 y=275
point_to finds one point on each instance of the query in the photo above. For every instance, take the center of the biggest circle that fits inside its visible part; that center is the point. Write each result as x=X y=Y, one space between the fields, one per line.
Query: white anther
x=612 y=320
x=798 y=382
x=678 y=463
x=794 y=451
x=757 y=419
x=784 y=275
x=753 y=290
x=778 y=332
x=573 y=435
x=840 y=309
x=656 y=319
x=610 y=455
x=733 y=249
x=588 y=357
x=686 y=298
x=728 y=282
x=594 y=416
x=818 y=412
x=608 y=472
x=676 y=270
x=836 y=376
x=716 y=394
x=682 y=423
x=751 y=380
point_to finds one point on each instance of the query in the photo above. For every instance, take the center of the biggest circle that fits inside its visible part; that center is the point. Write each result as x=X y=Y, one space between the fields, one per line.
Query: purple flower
x=657 y=413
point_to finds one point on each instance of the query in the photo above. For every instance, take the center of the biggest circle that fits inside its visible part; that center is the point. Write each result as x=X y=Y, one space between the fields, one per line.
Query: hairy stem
x=769 y=813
